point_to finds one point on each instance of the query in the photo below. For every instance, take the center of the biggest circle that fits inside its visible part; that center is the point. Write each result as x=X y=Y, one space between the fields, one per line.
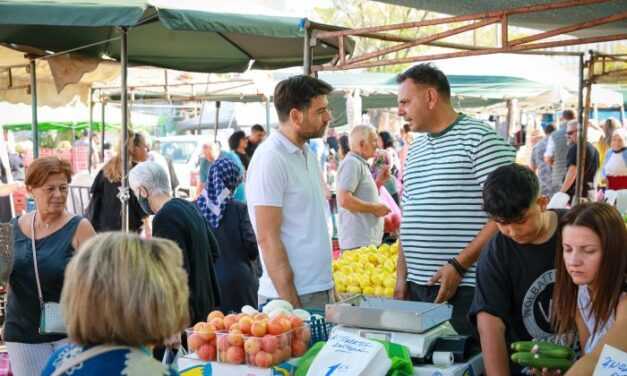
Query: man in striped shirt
x=444 y=227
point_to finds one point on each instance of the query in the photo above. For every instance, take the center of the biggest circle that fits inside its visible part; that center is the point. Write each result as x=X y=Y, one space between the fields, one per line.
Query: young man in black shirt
x=515 y=272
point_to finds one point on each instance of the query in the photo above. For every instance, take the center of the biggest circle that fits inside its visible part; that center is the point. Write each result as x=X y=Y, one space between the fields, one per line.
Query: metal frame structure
x=529 y=44
x=597 y=67
x=533 y=44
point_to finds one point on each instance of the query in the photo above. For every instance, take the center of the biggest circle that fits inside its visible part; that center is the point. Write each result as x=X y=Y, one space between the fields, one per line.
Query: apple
x=245 y=324
x=235 y=339
x=284 y=340
x=194 y=342
x=303 y=334
x=252 y=345
x=235 y=328
x=235 y=355
x=286 y=324
x=223 y=342
x=275 y=326
x=269 y=343
x=296 y=321
x=206 y=352
x=229 y=320
x=263 y=359
x=298 y=348
x=215 y=314
x=260 y=316
x=218 y=323
x=205 y=330
x=259 y=328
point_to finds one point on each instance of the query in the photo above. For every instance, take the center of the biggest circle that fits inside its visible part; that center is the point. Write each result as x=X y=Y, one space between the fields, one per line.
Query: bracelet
x=458 y=267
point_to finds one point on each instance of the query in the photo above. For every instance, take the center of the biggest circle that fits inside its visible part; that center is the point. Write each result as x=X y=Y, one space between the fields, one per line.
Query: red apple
x=275 y=326
x=215 y=314
x=218 y=323
x=204 y=330
x=245 y=324
x=263 y=359
x=206 y=352
x=194 y=342
x=298 y=348
x=229 y=320
x=236 y=339
x=296 y=321
x=223 y=342
x=269 y=343
x=235 y=355
x=259 y=328
x=252 y=345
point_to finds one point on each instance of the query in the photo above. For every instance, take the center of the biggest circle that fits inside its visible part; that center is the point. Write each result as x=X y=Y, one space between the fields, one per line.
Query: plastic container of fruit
x=201 y=343
x=266 y=351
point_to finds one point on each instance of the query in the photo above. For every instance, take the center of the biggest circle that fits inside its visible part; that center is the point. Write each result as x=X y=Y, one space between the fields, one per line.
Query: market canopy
x=544 y=20
x=189 y=40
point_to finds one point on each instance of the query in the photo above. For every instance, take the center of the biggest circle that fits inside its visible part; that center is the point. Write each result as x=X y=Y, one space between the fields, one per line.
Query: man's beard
x=313 y=134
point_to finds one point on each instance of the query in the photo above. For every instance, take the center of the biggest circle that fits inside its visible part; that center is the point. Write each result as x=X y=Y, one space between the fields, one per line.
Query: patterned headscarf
x=224 y=176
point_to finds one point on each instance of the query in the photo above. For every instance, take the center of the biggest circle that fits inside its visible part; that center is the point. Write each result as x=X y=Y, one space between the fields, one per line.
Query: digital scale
x=417 y=325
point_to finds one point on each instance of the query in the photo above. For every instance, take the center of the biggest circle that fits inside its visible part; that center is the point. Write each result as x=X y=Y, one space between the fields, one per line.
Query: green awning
x=181 y=39
x=59 y=126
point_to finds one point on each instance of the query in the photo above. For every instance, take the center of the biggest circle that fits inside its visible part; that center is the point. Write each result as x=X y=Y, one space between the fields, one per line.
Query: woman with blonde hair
x=122 y=295
x=105 y=208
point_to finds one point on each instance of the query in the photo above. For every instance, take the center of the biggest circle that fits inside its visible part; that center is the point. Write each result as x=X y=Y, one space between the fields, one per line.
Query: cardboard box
x=473 y=367
x=191 y=366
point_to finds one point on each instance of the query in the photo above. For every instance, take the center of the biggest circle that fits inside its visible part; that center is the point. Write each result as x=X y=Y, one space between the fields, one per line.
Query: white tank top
x=585 y=309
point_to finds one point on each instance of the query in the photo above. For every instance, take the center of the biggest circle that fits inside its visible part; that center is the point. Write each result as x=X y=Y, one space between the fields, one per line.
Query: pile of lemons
x=367 y=270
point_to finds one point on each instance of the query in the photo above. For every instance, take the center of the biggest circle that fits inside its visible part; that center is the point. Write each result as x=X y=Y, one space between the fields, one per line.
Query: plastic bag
x=392 y=221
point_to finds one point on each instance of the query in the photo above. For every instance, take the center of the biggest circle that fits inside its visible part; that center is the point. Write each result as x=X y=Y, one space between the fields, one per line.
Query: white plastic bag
x=349 y=355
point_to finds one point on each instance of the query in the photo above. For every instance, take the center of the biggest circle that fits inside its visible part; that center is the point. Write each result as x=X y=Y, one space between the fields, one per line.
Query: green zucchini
x=543 y=348
x=537 y=361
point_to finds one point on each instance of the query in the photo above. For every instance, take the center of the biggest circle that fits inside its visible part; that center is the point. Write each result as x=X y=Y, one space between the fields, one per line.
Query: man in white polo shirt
x=286 y=200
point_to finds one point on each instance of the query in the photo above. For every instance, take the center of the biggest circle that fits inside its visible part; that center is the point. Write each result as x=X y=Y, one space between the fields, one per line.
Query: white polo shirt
x=284 y=175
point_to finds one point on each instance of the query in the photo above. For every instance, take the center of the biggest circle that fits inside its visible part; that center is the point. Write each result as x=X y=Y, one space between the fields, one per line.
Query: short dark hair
x=568 y=115
x=257 y=128
x=297 y=92
x=235 y=138
x=344 y=144
x=509 y=191
x=549 y=129
x=387 y=139
x=427 y=74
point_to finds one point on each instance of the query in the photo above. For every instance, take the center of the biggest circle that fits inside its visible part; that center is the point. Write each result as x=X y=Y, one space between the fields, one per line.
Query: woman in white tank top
x=590 y=288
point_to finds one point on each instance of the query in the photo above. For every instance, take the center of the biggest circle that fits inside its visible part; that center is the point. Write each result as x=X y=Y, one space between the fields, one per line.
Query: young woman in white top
x=590 y=290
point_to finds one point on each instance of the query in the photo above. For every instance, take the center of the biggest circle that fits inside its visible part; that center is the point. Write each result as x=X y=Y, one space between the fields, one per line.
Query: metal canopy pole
x=124 y=194
x=307 y=61
x=582 y=134
x=33 y=94
x=103 y=105
x=582 y=65
x=91 y=129
x=215 y=132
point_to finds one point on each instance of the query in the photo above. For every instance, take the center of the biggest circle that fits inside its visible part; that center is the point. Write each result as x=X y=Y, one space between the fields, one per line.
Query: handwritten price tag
x=612 y=362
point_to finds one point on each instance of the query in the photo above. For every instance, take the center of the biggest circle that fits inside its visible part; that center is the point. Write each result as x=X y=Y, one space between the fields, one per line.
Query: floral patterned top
x=127 y=362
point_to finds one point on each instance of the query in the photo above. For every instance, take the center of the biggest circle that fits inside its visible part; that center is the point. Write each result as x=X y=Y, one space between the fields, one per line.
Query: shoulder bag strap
x=39 y=292
x=85 y=355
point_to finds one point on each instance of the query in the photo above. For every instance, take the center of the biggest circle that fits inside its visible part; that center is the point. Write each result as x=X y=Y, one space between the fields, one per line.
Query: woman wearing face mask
x=615 y=163
x=590 y=293
x=105 y=208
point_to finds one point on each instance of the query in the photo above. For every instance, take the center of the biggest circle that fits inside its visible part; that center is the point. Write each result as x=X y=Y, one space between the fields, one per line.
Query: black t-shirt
x=515 y=283
x=181 y=222
x=244 y=158
x=592 y=163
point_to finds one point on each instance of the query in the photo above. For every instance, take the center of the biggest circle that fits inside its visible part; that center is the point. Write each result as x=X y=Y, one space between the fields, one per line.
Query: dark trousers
x=461 y=302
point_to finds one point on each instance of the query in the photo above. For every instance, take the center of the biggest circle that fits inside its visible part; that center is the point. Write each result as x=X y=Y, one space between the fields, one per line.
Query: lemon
x=389 y=292
x=369 y=290
x=354 y=289
x=340 y=287
x=389 y=282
